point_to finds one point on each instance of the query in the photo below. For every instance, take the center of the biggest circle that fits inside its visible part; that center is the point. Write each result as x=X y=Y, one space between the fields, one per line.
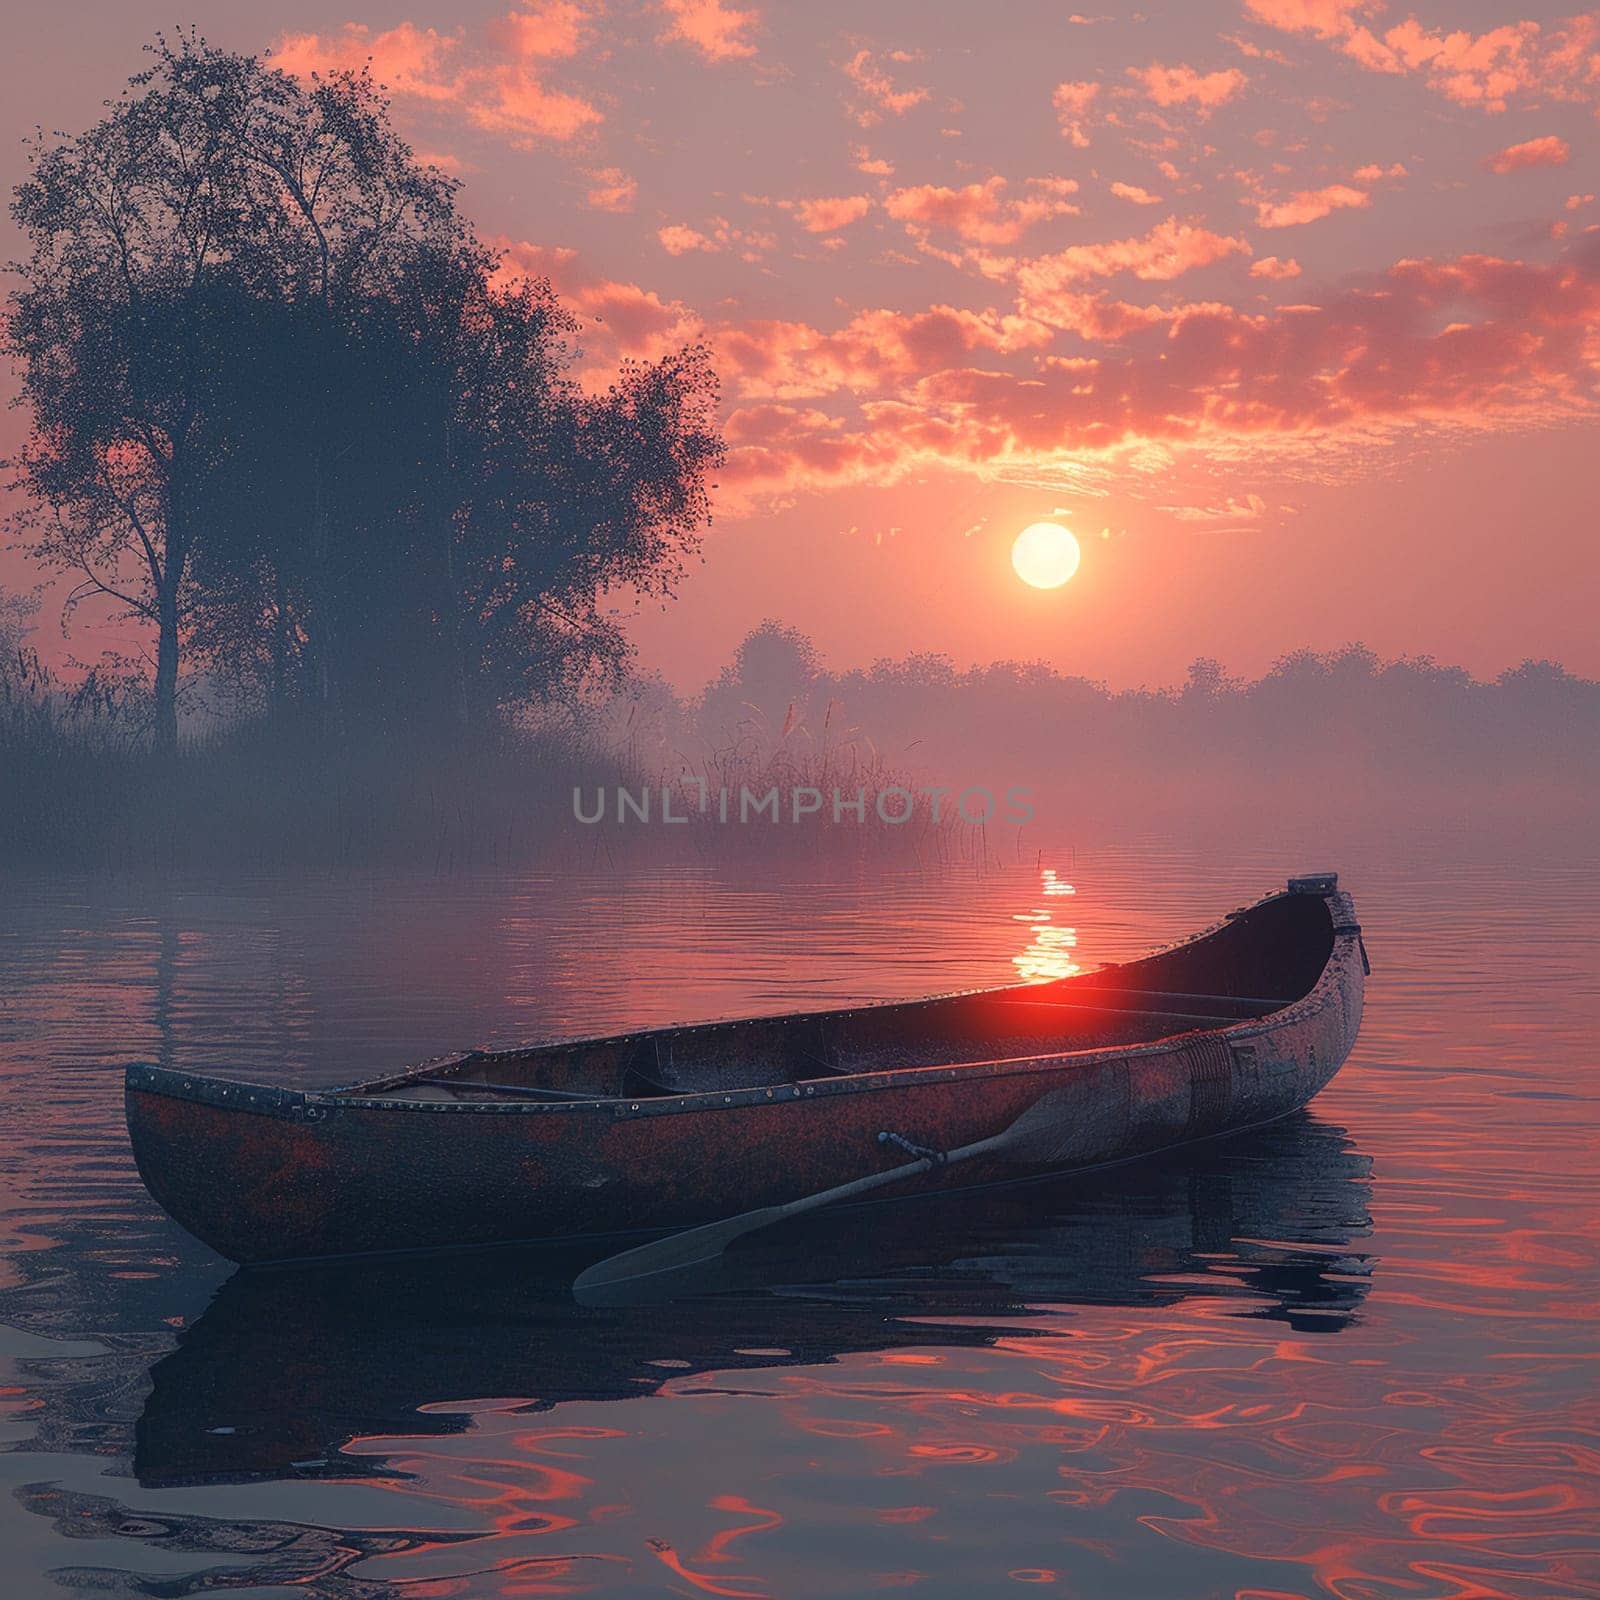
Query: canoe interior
x=1255 y=963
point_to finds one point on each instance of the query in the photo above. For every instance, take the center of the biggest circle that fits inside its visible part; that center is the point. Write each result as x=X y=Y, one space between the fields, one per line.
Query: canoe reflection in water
x=287 y=1366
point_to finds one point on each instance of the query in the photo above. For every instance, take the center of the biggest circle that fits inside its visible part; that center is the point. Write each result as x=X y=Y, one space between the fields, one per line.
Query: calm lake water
x=1353 y=1355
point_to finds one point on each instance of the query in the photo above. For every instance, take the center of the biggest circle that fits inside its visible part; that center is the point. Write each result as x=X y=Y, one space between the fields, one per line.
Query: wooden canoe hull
x=263 y=1174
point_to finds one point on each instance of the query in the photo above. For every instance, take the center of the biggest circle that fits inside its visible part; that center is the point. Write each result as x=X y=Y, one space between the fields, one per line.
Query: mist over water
x=782 y=756
x=1350 y=1355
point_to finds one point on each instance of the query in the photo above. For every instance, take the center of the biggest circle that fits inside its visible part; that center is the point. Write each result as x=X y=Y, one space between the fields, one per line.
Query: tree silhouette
x=111 y=328
x=287 y=409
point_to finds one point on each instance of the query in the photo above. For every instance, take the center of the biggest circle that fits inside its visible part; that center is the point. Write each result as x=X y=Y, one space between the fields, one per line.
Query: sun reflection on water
x=1050 y=952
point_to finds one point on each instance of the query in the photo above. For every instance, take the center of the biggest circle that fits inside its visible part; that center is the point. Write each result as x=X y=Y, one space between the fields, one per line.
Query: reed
x=81 y=787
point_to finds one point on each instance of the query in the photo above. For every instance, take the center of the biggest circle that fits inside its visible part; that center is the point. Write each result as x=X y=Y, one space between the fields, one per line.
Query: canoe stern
x=241 y=1166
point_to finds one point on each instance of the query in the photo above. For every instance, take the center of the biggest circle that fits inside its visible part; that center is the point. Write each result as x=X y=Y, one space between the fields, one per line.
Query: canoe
x=1270 y=1225
x=673 y=1127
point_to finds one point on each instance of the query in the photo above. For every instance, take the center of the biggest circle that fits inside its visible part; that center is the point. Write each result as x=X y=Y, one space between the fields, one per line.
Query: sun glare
x=1045 y=555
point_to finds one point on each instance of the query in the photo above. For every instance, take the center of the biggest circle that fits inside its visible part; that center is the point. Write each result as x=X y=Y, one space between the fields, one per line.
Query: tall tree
x=112 y=325
x=290 y=410
x=214 y=180
x=344 y=236
x=556 y=496
x=485 y=506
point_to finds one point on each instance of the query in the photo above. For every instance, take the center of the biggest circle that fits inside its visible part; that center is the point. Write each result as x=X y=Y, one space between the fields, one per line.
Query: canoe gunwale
x=313 y=1105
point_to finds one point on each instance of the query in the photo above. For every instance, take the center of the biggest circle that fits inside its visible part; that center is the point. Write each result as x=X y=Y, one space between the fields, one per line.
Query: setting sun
x=1045 y=555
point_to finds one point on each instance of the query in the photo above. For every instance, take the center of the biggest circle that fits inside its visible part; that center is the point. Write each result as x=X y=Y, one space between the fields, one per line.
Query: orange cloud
x=1275 y=267
x=878 y=89
x=980 y=212
x=1073 y=102
x=1546 y=152
x=1132 y=192
x=1309 y=205
x=830 y=214
x=716 y=30
x=1181 y=85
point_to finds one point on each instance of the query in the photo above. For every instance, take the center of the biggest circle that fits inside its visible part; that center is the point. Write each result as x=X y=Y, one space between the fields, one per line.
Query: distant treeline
x=1343 y=728
x=1343 y=733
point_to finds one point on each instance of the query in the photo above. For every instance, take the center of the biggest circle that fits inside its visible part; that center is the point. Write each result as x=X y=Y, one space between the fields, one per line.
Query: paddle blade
x=677 y=1253
x=1082 y=1121
x=1056 y=1128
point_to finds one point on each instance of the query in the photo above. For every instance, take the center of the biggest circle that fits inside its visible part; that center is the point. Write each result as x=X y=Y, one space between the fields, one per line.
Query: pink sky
x=1287 y=307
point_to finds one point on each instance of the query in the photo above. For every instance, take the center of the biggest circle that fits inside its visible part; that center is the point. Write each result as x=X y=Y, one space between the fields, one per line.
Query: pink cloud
x=718 y=235
x=1383 y=352
x=1546 y=152
x=980 y=212
x=715 y=29
x=513 y=101
x=678 y=240
x=787 y=360
x=1133 y=193
x=1452 y=341
x=543 y=32
x=1480 y=69
x=490 y=91
x=830 y=214
x=778 y=450
x=1073 y=102
x=444 y=161
x=1182 y=85
x=407 y=60
x=1275 y=267
x=1309 y=205
x=1169 y=250
x=611 y=189
x=627 y=320
x=1485 y=70
x=878 y=90
x=1329 y=18
x=1094 y=315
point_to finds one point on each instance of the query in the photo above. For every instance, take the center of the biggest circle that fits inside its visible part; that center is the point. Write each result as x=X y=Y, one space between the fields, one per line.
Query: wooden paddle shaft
x=705 y=1243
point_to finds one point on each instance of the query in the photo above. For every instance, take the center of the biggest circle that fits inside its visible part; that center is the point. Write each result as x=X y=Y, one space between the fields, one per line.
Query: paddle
x=695 y=1246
